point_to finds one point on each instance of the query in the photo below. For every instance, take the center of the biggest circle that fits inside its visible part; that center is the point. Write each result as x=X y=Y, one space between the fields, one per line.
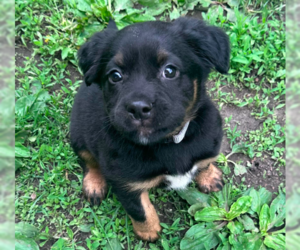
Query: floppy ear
x=209 y=43
x=90 y=54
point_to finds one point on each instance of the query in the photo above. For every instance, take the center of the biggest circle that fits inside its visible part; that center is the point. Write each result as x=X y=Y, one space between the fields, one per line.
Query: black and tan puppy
x=143 y=118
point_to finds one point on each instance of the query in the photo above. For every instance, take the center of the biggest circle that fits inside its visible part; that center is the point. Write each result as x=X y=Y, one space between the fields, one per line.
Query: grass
x=48 y=177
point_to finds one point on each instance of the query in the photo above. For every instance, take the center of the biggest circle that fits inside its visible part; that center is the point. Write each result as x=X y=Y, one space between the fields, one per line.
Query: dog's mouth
x=143 y=134
x=155 y=129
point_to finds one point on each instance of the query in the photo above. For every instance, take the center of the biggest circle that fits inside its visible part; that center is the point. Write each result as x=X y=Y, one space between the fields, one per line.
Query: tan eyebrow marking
x=162 y=55
x=119 y=59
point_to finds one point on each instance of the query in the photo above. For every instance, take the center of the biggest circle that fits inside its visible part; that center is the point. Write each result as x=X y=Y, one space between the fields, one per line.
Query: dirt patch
x=262 y=172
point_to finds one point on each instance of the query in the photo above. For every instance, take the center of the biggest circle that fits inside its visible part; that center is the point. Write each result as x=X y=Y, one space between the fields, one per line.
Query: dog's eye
x=170 y=72
x=115 y=76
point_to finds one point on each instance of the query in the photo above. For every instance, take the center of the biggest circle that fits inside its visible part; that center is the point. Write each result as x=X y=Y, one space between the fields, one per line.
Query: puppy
x=143 y=118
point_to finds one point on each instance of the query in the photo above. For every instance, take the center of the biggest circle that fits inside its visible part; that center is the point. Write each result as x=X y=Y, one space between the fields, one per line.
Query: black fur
x=100 y=122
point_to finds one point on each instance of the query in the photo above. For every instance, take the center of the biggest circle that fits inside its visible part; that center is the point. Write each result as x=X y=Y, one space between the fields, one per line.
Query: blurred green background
x=7 y=88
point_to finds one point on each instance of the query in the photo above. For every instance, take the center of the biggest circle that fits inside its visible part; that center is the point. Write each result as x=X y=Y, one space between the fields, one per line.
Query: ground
x=48 y=180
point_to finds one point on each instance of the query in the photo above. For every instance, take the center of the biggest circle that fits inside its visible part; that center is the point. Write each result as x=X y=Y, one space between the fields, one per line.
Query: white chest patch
x=181 y=181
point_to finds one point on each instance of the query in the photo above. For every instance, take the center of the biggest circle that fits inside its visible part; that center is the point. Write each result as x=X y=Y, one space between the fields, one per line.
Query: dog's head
x=152 y=74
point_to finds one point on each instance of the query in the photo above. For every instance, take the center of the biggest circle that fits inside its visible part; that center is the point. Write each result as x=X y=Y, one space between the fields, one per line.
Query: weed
x=235 y=219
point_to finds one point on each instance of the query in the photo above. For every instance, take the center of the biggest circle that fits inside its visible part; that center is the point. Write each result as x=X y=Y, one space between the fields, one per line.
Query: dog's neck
x=179 y=137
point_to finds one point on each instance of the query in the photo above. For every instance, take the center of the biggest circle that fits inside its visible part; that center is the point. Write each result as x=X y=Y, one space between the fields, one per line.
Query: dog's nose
x=139 y=110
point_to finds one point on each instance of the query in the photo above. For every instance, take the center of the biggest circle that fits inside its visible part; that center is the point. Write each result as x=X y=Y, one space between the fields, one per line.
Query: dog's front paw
x=210 y=179
x=94 y=187
x=146 y=233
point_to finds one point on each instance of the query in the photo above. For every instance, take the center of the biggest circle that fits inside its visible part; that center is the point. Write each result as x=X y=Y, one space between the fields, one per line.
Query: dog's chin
x=144 y=136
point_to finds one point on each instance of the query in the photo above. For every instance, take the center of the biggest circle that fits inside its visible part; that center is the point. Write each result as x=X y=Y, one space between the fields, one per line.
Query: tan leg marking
x=205 y=163
x=94 y=184
x=145 y=185
x=210 y=177
x=149 y=229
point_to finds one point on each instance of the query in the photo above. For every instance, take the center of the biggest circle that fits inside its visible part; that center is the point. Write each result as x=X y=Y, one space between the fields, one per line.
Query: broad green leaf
x=247 y=223
x=114 y=244
x=223 y=198
x=225 y=169
x=231 y=15
x=196 y=207
x=193 y=195
x=149 y=3
x=101 y=11
x=256 y=203
x=251 y=241
x=240 y=59
x=122 y=4
x=255 y=58
x=23 y=104
x=60 y=244
x=233 y=3
x=121 y=24
x=241 y=206
x=24 y=243
x=70 y=233
x=210 y=214
x=235 y=243
x=132 y=11
x=276 y=242
x=235 y=227
x=239 y=148
x=26 y=229
x=264 y=218
x=224 y=246
x=277 y=211
x=91 y=29
x=85 y=228
x=43 y=95
x=65 y=52
x=18 y=164
x=174 y=14
x=205 y=3
x=239 y=169
x=165 y=244
x=153 y=246
x=159 y=9
x=280 y=106
x=38 y=107
x=95 y=245
x=223 y=236
x=259 y=198
x=265 y=195
x=21 y=151
x=136 y=18
x=84 y=5
x=201 y=236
